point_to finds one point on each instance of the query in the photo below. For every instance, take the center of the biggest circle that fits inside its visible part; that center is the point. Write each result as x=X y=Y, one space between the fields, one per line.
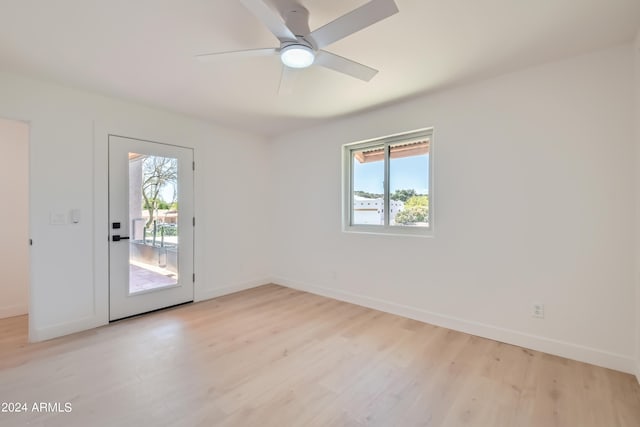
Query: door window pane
x=153 y=219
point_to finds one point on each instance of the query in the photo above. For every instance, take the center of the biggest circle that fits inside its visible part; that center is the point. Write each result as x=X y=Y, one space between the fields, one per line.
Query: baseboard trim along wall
x=534 y=342
x=205 y=294
x=91 y=322
x=66 y=328
x=13 y=310
x=547 y=345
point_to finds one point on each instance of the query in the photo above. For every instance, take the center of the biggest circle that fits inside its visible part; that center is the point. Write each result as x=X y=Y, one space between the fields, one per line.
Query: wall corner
x=636 y=83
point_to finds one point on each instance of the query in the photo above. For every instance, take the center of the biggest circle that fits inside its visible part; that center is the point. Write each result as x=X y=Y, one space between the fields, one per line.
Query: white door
x=151 y=226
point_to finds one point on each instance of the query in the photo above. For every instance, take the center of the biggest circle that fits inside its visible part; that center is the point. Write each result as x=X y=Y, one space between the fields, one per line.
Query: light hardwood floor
x=273 y=356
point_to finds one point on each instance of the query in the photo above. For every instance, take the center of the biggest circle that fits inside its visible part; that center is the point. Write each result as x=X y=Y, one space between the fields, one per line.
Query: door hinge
x=194 y=221
x=30 y=242
x=194 y=277
x=193 y=165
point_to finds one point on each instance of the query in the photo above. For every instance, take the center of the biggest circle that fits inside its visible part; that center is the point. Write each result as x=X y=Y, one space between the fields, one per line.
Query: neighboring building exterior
x=371 y=211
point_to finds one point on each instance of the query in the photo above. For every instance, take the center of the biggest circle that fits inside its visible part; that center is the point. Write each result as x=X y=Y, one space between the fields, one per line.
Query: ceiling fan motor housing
x=298 y=53
x=297 y=20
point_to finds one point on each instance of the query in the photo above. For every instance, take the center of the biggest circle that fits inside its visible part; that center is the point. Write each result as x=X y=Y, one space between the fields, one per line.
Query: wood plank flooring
x=272 y=356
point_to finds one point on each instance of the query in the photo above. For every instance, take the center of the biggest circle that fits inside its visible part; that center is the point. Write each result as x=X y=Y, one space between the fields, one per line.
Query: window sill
x=389 y=231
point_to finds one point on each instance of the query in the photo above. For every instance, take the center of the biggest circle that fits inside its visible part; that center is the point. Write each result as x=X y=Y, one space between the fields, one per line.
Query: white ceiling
x=143 y=50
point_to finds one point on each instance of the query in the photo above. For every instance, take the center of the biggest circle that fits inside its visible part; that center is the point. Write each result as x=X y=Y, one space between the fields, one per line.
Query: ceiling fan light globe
x=297 y=56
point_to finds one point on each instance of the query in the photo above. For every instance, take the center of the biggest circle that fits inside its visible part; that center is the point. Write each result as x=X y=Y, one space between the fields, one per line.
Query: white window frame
x=347 y=186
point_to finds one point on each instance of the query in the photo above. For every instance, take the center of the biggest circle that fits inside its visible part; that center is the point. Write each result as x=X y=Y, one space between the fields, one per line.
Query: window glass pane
x=409 y=183
x=367 y=199
x=153 y=215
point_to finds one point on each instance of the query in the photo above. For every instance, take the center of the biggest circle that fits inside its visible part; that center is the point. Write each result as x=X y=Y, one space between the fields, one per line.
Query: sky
x=405 y=173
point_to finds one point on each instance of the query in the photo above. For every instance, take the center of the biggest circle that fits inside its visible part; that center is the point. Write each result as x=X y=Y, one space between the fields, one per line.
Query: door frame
x=153 y=132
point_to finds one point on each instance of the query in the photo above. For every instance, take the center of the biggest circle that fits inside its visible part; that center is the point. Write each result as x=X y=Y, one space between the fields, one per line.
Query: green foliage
x=367 y=195
x=408 y=196
x=151 y=204
x=169 y=230
x=403 y=195
x=412 y=214
x=417 y=201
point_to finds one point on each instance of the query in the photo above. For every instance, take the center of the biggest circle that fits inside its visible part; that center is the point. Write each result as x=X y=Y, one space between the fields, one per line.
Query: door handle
x=117 y=238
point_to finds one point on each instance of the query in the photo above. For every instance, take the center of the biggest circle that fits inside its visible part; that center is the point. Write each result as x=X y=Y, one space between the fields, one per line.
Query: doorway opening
x=14 y=218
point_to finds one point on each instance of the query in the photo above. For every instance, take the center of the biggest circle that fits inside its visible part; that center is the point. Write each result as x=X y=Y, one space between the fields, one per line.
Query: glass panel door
x=150 y=226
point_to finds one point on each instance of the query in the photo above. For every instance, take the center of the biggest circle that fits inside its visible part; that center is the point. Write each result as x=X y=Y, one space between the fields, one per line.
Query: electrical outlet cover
x=537 y=310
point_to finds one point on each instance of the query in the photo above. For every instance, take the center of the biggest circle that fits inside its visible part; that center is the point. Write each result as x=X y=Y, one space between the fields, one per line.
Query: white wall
x=14 y=221
x=68 y=163
x=534 y=201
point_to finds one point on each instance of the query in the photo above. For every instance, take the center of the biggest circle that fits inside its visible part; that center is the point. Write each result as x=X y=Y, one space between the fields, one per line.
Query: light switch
x=75 y=216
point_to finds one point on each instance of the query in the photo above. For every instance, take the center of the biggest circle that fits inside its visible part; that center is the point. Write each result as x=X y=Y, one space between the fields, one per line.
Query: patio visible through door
x=151 y=226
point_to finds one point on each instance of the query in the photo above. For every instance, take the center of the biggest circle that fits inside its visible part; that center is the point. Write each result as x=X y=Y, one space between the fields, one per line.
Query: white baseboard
x=547 y=345
x=91 y=322
x=66 y=328
x=205 y=294
x=13 y=310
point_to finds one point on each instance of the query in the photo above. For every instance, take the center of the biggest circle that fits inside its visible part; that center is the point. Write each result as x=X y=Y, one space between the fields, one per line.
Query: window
x=387 y=184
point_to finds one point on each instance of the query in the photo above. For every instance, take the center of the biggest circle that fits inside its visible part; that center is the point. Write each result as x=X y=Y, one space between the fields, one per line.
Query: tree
x=417 y=201
x=412 y=214
x=403 y=195
x=155 y=204
x=416 y=209
x=157 y=173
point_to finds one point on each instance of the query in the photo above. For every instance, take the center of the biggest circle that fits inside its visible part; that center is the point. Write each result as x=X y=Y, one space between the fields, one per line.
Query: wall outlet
x=537 y=310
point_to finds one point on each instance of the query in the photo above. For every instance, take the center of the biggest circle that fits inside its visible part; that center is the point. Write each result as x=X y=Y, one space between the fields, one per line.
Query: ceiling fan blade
x=287 y=80
x=270 y=19
x=344 y=65
x=354 y=21
x=210 y=57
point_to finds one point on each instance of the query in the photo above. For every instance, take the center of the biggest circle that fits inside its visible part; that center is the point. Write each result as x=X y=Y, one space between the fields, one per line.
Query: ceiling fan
x=300 y=47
